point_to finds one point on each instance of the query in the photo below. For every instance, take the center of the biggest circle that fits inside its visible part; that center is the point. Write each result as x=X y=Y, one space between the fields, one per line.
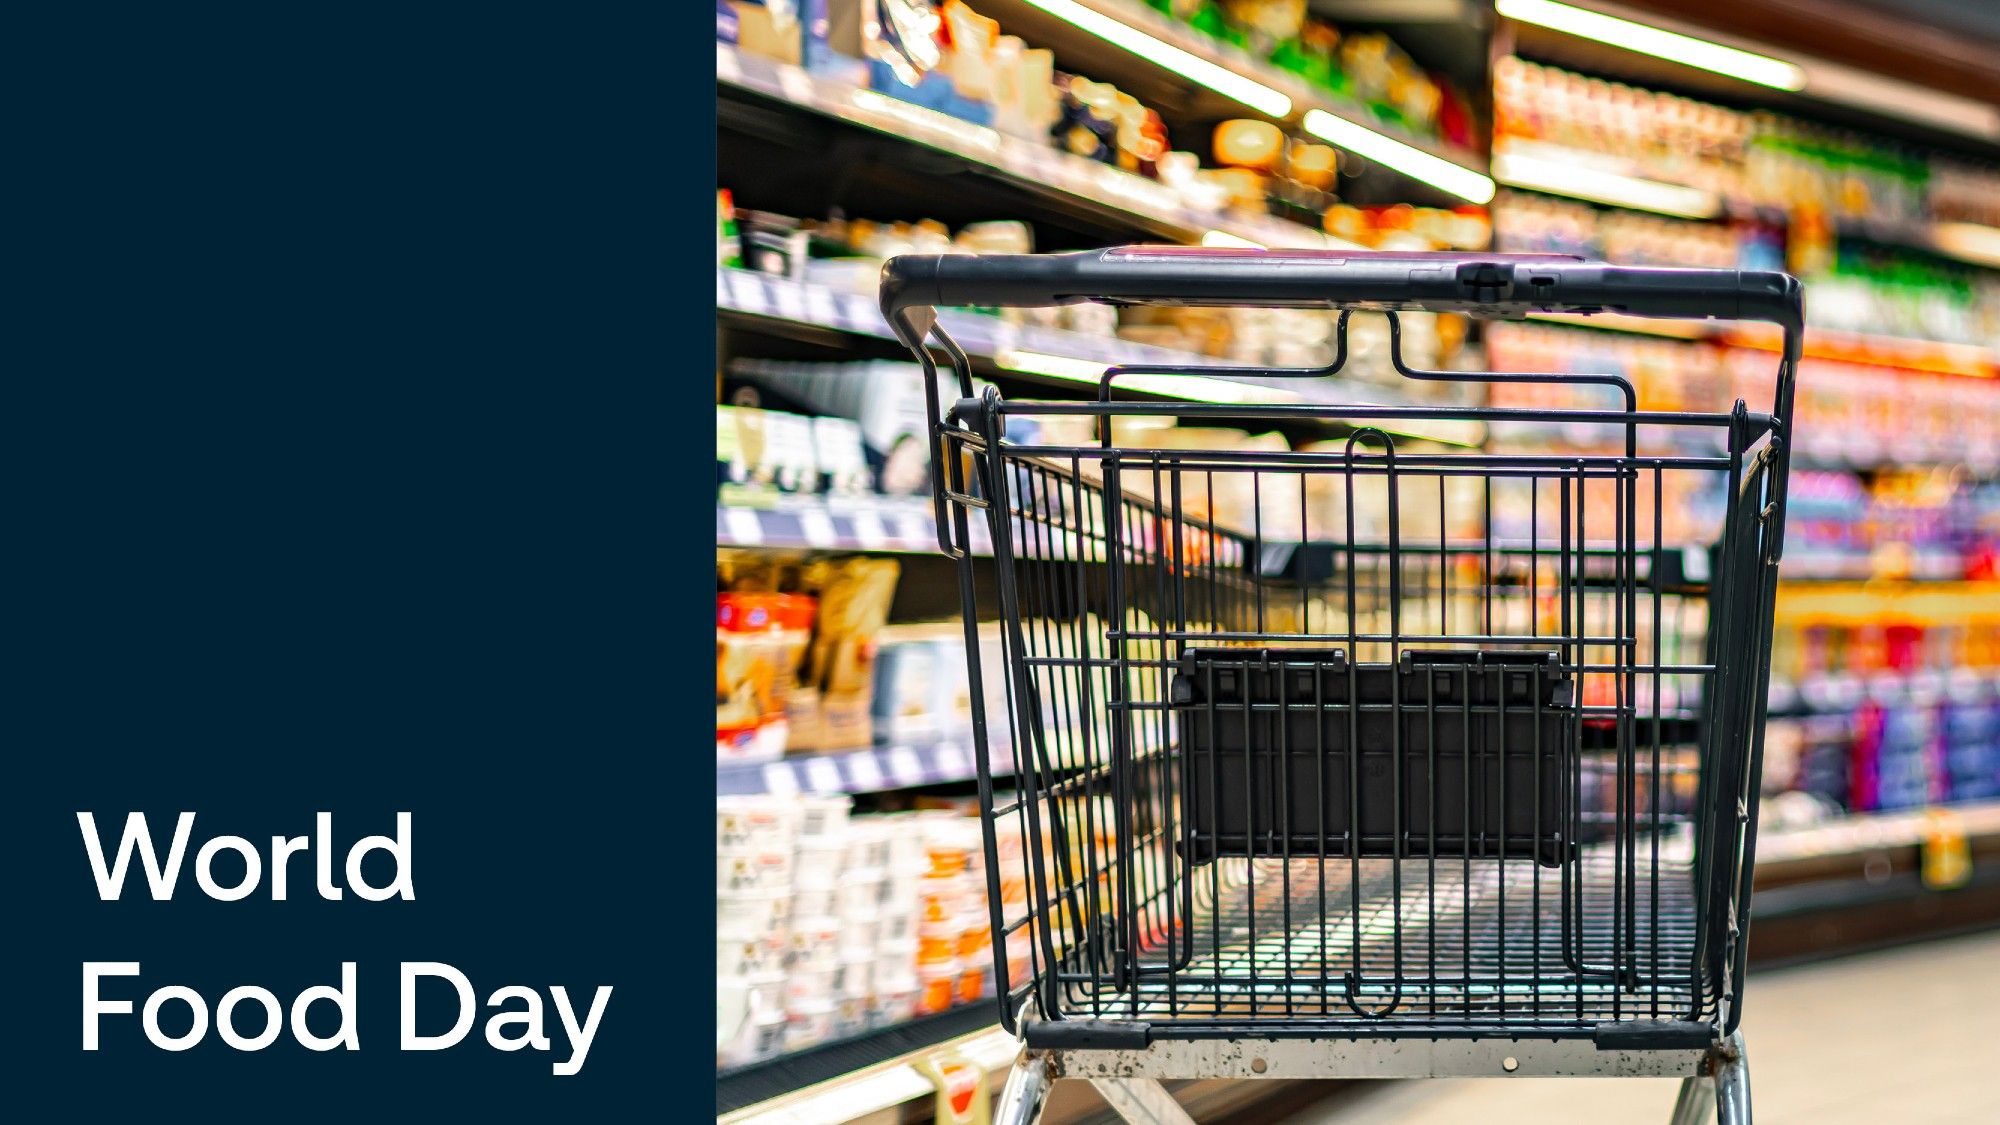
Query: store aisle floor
x=1907 y=1035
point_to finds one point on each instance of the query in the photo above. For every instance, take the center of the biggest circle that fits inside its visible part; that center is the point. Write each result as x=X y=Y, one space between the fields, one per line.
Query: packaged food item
x=937 y=986
x=759 y=641
x=768 y=29
x=752 y=869
x=859 y=894
x=971 y=982
x=812 y=902
x=854 y=597
x=825 y=817
x=753 y=912
x=938 y=941
x=744 y=1034
x=896 y=1000
x=755 y=822
x=807 y=985
x=816 y=864
x=857 y=974
x=740 y=954
x=808 y=1023
x=850 y=1016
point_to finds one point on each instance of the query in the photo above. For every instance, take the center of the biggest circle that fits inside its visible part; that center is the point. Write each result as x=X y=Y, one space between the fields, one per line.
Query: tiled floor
x=1911 y=1035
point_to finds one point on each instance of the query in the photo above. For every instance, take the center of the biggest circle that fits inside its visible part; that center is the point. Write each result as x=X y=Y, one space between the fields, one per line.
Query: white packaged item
x=767 y=992
x=810 y=902
x=837 y=452
x=857 y=973
x=904 y=700
x=807 y=987
x=808 y=1024
x=903 y=889
x=741 y=955
x=817 y=861
x=895 y=999
x=752 y=911
x=815 y=943
x=896 y=925
x=860 y=932
x=732 y=1013
x=847 y=275
x=867 y=843
x=755 y=822
x=825 y=816
x=895 y=959
x=886 y=399
x=906 y=843
x=787 y=460
x=850 y=1016
x=859 y=895
x=766 y=869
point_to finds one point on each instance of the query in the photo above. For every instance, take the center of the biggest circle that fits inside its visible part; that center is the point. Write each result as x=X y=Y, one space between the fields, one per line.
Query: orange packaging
x=938 y=899
x=759 y=642
x=971 y=983
x=975 y=942
x=936 y=987
x=936 y=947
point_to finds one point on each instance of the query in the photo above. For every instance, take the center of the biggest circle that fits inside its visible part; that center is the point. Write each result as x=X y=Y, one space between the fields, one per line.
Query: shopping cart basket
x=1370 y=759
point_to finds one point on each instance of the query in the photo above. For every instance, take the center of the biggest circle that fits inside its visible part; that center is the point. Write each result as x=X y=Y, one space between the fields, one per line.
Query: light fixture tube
x=1670 y=45
x=1222 y=80
x=1579 y=181
x=1409 y=160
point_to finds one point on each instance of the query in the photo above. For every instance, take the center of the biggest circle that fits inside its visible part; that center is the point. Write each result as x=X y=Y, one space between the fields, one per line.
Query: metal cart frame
x=1210 y=718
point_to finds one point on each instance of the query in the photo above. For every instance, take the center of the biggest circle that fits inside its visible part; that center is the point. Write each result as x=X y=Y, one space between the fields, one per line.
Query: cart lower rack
x=1370 y=759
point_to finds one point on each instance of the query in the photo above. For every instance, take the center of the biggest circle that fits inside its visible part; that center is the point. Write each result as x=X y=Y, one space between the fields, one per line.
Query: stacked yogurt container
x=754 y=842
x=830 y=924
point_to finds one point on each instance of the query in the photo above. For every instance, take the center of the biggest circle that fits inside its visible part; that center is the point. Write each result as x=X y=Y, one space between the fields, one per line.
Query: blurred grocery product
x=830 y=923
x=759 y=640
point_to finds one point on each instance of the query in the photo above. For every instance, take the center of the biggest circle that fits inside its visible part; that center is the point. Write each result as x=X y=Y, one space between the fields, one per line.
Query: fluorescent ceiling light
x=1669 y=45
x=1580 y=181
x=1223 y=81
x=1415 y=162
x=1224 y=238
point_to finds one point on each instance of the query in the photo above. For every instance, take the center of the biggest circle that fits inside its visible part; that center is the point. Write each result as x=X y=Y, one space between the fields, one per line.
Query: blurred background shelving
x=1042 y=125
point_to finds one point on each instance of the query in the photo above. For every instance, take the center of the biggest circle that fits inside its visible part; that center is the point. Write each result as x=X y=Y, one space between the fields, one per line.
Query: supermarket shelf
x=1059 y=355
x=908 y=527
x=1873 y=348
x=810 y=524
x=852 y=1078
x=874 y=769
x=1549 y=169
x=1859 y=883
x=1871 y=832
x=1025 y=163
x=1304 y=95
x=1821 y=343
x=750 y=293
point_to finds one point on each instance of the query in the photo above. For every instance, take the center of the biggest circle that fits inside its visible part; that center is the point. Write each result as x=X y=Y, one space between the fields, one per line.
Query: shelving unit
x=1808 y=879
x=1051 y=22
x=1113 y=195
x=874 y=769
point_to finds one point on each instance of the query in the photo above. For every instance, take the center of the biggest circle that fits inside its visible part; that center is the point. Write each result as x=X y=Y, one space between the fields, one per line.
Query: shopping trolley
x=1368 y=759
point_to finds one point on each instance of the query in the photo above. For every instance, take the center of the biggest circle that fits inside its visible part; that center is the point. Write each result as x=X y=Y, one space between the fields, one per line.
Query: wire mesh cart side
x=1365 y=759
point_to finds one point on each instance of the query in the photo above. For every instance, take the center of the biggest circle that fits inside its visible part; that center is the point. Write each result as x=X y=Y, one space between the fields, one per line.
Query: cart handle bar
x=1493 y=285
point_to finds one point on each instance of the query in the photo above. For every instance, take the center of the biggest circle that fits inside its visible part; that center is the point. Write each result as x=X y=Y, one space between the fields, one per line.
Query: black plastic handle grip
x=1480 y=284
